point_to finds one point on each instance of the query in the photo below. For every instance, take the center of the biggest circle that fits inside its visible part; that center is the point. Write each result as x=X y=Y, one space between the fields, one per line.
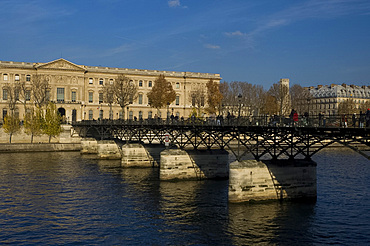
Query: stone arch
x=62 y=113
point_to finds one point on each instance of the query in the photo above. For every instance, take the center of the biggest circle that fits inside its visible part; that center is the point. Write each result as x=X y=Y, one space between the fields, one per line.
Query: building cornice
x=69 y=66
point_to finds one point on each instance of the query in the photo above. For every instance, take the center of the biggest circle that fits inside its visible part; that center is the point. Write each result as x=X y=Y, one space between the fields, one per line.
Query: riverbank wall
x=39 y=147
x=68 y=140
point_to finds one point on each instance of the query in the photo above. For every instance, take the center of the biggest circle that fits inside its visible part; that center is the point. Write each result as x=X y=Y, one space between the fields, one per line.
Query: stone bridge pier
x=249 y=180
x=252 y=180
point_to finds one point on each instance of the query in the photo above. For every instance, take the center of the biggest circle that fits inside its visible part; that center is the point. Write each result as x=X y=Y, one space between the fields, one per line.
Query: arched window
x=150 y=84
x=16 y=77
x=177 y=85
x=5 y=76
x=91 y=81
x=140 y=98
x=111 y=81
x=28 y=77
x=101 y=81
x=140 y=83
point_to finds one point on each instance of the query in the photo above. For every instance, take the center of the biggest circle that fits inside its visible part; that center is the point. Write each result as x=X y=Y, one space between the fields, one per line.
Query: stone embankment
x=68 y=140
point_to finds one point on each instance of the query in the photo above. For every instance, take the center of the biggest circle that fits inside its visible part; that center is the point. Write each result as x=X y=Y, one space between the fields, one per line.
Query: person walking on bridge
x=295 y=118
x=367 y=117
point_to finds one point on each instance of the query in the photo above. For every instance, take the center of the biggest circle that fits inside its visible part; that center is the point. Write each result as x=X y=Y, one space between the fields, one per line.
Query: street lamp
x=240 y=103
x=168 y=111
x=130 y=102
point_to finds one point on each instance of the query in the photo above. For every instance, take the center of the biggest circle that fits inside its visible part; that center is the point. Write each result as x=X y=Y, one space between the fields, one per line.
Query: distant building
x=77 y=89
x=325 y=99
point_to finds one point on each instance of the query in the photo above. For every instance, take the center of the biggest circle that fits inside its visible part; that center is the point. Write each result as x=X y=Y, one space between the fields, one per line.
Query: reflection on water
x=65 y=198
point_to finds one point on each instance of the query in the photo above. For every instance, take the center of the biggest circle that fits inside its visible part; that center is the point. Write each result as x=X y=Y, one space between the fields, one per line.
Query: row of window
x=6 y=95
x=91 y=80
x=130 y=115
x=140 y=83
x=16 y=77
x=61 y=93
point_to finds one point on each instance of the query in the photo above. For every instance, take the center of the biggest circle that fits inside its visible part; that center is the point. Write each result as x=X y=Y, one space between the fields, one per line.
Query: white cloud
x=211 y=46
x=235 y=34
x=174 y=3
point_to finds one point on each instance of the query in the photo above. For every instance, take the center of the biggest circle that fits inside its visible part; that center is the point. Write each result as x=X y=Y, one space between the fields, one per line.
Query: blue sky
x=310 y=42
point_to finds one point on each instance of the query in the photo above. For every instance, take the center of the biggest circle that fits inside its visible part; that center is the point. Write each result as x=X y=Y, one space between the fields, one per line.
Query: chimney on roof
x=344 y=85
x=353 y=86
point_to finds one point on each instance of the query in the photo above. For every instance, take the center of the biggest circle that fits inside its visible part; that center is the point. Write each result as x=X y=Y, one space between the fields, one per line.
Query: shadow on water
x=271 y=223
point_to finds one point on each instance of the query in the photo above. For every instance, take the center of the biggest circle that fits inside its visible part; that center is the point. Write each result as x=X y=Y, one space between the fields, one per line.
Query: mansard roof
x=343 y=90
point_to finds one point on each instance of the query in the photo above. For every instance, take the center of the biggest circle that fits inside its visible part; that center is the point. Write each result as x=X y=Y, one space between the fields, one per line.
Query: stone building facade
x=326 y=99
x=77 y=90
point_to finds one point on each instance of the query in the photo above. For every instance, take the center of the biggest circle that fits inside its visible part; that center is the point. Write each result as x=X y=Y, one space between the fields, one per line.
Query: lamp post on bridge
x=130 y=102
x=240 y=106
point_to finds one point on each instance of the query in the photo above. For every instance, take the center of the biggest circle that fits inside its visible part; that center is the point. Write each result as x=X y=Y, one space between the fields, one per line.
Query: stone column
x=89 y=146
x=266 y=180
x=193 y=165
x=108 y=149
x=135 y=155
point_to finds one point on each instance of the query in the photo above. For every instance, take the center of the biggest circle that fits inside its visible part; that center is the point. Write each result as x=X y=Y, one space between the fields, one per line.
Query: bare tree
x=108 y=97
x=251 y=99
x=123 y=91
x=269 y=105
x=301 y=98
x=24 y=93
x=40 y=89
x=281 y=94
x=12 y=91
x=347 y=107
x=197 y=97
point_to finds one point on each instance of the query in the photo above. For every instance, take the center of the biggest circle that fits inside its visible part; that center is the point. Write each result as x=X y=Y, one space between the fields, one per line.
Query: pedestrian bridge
x=264 y=138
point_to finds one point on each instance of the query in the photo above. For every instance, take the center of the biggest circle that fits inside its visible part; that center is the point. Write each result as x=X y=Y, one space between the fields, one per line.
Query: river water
x=68 y=199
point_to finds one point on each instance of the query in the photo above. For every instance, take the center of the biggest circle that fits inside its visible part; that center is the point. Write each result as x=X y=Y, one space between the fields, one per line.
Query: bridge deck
x=239 y=136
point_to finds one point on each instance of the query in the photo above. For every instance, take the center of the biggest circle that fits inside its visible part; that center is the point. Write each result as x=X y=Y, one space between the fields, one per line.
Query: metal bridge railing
x=264 y=120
